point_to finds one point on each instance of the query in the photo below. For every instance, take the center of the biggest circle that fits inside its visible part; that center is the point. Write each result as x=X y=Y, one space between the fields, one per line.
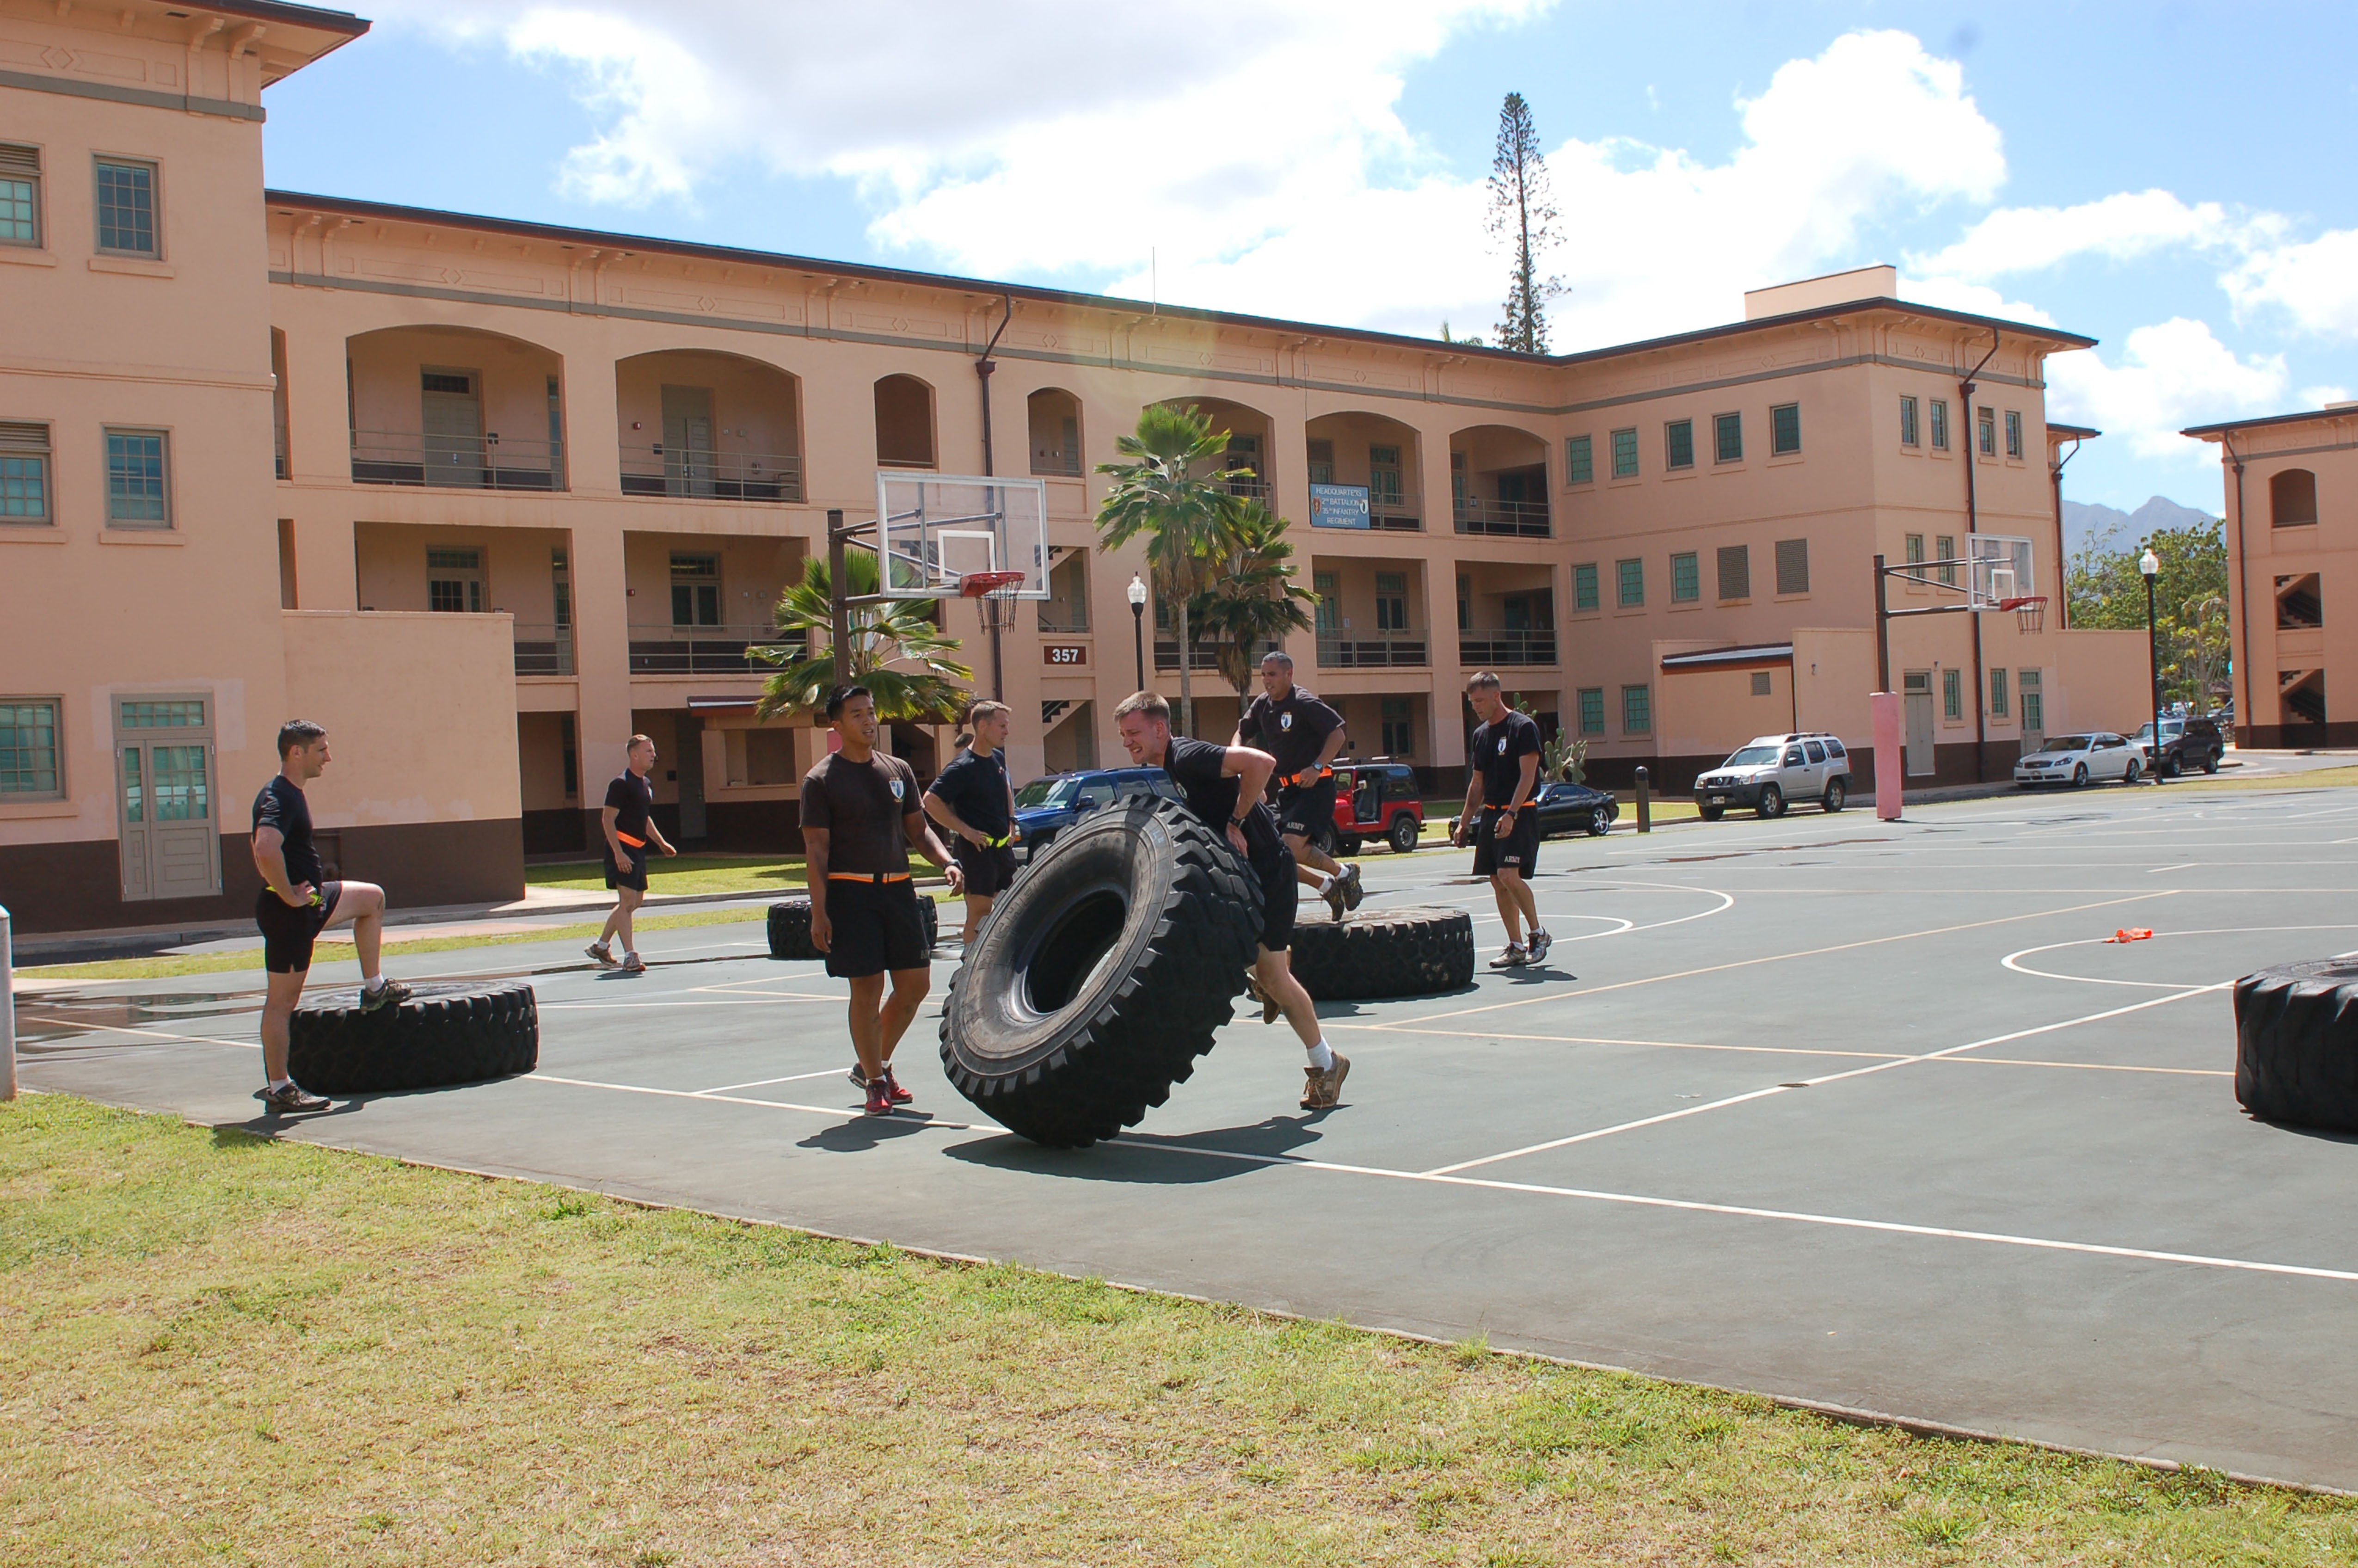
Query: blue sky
x=2168 y=178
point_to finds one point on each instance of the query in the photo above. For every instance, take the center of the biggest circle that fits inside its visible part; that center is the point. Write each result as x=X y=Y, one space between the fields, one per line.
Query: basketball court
x=1865 y=1114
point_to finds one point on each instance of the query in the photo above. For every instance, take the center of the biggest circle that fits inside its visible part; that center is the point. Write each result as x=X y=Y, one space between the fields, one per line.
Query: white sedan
x=2076 y=759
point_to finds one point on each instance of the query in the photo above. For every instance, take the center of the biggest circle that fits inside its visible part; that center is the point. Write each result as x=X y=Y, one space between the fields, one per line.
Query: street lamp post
x=2149 y=567
x=1137 y=591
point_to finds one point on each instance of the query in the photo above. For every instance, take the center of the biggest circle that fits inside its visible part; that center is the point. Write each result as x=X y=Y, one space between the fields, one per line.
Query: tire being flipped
x=449 y=1032
x=790 y=927
x=2297 y=1043
x=1382 y=952
x=1102 y=974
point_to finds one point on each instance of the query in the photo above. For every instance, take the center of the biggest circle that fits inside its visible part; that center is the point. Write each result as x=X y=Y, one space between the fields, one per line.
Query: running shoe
x=892 y=1086
x=858 y=1079
x=1320 y=1091
x=1514 y=957
x=293 y=1098
x=600 y=956
x=1352 y=892
x=1337 y=896
x=392 y=993
x=1540 y=942
x=632 y=964
x=880 y=1097
x=1270 y=1011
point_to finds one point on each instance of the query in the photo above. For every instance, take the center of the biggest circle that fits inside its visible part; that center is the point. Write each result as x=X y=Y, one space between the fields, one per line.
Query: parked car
x=1047 y=805
x=1569 y=808
x=1769 y=773
x=2185 y=743
x=2078 y=760
x=1377 y=797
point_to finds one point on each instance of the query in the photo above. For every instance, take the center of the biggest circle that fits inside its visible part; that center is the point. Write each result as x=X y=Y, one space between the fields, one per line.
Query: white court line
x=839 y=1113
x=2185 y=866
x=2009 y=960
x=151 y=1033
x=759 y=1083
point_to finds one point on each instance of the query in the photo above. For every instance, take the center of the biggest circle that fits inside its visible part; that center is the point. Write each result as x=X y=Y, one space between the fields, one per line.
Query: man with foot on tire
x=1504 y=765
x=973 y=803
x=1303 y=734
x=859 y=817
x=1223 y=785
x=297 y=903
x=629 y=825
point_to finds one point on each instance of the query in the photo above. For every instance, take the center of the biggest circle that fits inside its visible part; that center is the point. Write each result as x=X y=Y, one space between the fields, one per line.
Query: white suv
x=1769 y=773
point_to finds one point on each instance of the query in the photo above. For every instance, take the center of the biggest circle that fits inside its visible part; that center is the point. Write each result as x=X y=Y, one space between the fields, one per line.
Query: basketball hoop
x=2029 y=612
x=994 y=597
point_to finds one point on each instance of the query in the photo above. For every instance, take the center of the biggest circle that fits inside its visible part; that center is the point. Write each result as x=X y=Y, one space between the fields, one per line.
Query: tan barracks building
x=487 y=497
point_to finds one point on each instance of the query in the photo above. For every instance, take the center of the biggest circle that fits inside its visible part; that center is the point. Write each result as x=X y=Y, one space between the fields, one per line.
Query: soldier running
x=973 y=803
x=1303 y=734
x=1504 y=767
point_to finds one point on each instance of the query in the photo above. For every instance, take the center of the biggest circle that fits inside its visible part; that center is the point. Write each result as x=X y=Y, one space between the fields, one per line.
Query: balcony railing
x=712 y=475
x=1253 y=485
x=543 y=650
x=1398 y=515
x=1070 y=618
x=661 y=650
x=1482 y=647
x=1056 y=465
x=456 y=462
x=1202 y=657
x=1373 y=650
x=1515 y=519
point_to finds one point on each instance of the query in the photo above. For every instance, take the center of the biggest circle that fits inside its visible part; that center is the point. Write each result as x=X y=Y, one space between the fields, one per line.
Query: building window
x=1625 y=454
x=1761 y=685
x=1584 y=586
x=20 y=195
x=1940 y=425
x=1907 y=422
x=1987 y=429
x=2012 y=433
x=454 y=581
x=1400 y=728
x=1678 y=444
x=1465 y=601
x=28 y=750
x=1784 y=429
x=137 y=484
x=1792 y=565
x=1579 y=461
x=1592 y=710
x=1735 y=571
x=1633 y=583
x=1384 y=478
x=23 y=473
x=1637 y=711
x=1997 y=694
x=1327 y=585
x=695 y=590
x=1391 y=601
x=1319 y=458
x=126 y=208
x=2033 y=710
x=1727 y=438
x=1948 y=557
x=2292 y=497
x=1686 y=578
x=1953 y=694
x=1914 y=547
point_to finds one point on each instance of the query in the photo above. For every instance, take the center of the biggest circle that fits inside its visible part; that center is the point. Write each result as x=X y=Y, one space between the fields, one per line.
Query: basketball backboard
x=1998 y=570
x=936 y=530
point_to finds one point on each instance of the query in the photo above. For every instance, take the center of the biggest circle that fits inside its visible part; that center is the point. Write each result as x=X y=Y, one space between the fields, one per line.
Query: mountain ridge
x=2086 y=523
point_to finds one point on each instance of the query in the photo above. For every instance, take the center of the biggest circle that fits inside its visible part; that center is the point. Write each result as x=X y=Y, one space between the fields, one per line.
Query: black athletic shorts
x=633 y=876
x=1281 y=892
x=877 y=928
x=988 y=872
x=287 y=931
x=1308 y=810
x=1519 y=851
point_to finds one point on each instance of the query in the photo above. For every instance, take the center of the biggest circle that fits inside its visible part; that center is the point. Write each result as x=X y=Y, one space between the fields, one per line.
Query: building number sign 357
x=1065 y=652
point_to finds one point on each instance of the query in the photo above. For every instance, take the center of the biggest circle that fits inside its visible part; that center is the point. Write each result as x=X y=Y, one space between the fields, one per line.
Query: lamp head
x=1137 y=591
x=2150 y=564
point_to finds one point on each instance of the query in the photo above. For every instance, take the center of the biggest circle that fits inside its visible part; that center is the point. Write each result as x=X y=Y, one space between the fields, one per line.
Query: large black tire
x=1102 y=974
x=1392 y=952
x=790 y=927
x=450 y=1033
x=2297 y=1043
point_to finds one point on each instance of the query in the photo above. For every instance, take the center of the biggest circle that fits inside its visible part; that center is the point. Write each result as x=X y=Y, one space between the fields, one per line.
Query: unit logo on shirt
x=1285 y=721
x=897 y=788
x=1502 y=747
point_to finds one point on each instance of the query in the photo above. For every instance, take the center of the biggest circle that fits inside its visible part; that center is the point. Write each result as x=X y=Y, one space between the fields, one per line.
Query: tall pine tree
x=1523 y=216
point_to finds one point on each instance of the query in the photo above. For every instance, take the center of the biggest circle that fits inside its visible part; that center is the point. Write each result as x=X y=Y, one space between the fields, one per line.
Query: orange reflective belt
x=633 y=843
x=868 y=876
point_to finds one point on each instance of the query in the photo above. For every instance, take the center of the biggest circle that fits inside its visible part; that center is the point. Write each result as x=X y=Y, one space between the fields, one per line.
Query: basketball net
x=993 y=594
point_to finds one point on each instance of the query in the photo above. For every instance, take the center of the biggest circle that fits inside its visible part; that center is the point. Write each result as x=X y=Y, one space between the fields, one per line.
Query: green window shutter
x=1727 y=436
x=1625 y=454
x=1686 y=578
x=1633 y=583
x=1584 y=586
x=1579 y=461
x=1784 y=429
x=1678 y=444
x=1592 y=710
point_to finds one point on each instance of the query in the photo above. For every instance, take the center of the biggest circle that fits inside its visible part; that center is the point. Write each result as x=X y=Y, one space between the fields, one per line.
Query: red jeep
x=1375 y=798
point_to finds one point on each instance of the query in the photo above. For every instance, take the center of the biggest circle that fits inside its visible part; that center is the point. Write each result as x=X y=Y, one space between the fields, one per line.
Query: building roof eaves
x=2073 y=432
x=344 y=22
x=2232 y=425
x=1823 y=312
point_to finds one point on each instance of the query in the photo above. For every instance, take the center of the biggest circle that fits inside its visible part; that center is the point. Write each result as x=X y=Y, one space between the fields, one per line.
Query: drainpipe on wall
x=982 y=369
x=1973 y=516
x=2236 y=626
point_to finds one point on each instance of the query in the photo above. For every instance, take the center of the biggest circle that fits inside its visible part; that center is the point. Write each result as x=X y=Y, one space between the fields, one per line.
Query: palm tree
x=1252 y=600
x=884 y=634
x=1176 y=494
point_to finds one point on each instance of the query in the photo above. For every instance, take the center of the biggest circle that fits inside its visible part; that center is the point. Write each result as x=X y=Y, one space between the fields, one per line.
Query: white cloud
x=2120 y=227
x=2315 y=284
x=1975 y=298
x=2318 y=396
x=2171 y=374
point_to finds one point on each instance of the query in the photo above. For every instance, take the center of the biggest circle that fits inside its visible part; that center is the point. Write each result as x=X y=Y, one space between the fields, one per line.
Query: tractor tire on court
x=1397 y=951
x=931 y=913
x=449 y=1032
x=790 y=927
x=1102 y=974
x=2297 y=1043
x=1405 y=831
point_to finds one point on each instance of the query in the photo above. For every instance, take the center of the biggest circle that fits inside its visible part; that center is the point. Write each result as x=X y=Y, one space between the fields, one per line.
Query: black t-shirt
x=281 y=806
x=859 y=806
x=1194 y=766
x=1293 y=730
x=1499 y=750
x=975 y=786
x=633 y=798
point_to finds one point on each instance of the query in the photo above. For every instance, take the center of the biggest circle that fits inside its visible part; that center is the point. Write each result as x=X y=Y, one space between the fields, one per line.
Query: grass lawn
x=680 y=874
x=219 y=1349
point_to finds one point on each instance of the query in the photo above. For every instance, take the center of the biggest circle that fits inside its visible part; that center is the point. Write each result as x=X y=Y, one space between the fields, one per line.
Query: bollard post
x=8 y=1009
x=1644 y=816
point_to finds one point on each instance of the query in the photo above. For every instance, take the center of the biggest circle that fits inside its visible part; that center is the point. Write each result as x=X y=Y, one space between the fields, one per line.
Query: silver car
x=2077 y=760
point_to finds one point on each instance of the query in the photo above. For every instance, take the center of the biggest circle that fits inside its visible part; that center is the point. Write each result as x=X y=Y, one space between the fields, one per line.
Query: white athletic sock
x=277 y=1083
x=1322 y=1056
x=372 y=982
x=601 y=943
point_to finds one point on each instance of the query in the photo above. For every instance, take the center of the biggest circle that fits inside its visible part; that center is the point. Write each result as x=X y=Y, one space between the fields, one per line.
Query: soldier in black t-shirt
x=972 y=802
x=628 y=822
x=296 y=903
x=1223 y=785
x=1499 y=819
x=1303 y=734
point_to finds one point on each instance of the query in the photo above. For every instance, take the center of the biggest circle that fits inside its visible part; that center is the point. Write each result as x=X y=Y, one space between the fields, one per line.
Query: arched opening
x=1248 y=441
x=454 y=408
x=1497 y=482
x=905 y=423
x=278 y=397
x=1054 y=417
x=708 y=425
x=2292 y=497
x=1365 y=452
